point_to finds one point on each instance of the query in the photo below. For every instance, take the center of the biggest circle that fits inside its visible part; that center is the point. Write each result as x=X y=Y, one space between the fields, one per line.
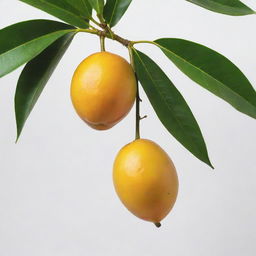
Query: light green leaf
x=34 y=77
x=170 y=106
x=212 y=71
x=21 y=42
x=229 y=7
x=114 y=10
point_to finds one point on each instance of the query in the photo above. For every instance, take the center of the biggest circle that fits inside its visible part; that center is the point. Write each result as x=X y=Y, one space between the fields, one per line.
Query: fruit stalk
x=138 y=100
x=137 y=133
x=102 y=44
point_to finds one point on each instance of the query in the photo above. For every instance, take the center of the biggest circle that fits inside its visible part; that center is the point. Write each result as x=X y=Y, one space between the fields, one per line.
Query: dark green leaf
x=114 y=10
x=97 y=5
x=212 y=71
x=170 y=106
x=61 y=9
x=21 y=42
x=230 y=7
x=34 y=77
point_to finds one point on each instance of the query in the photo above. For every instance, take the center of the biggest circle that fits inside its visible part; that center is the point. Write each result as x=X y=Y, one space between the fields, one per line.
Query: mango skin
x=145 y=180
x=103 y=90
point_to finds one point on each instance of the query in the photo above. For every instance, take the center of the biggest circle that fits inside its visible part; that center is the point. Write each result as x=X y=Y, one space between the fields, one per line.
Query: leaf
x=83 y=7
x=21 y=42
x=170 y=106
x=61 y=9
x=97 y=5
x=229 y=7
x=34 y=77
x=114 y=10
x=212 y=71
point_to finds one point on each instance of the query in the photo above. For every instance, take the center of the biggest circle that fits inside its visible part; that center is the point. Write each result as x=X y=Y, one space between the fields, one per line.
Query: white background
x=56 y=192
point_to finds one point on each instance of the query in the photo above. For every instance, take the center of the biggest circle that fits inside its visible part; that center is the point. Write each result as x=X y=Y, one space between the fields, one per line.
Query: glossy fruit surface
x=145 y=180
x=103 y=90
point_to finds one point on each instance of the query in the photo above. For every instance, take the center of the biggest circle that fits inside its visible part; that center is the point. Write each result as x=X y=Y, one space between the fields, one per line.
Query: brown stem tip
x=158 y=224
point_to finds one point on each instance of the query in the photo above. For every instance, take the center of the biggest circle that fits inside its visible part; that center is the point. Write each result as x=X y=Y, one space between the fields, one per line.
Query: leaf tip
x=17 y=137
x=18 y=129
x=210 y=164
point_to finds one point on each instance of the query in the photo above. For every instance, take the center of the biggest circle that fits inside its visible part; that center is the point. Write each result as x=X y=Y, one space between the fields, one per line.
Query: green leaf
x=61 y=9
x=97 y=5
x=114 y=10
x=34 y=77
x=229 y=7
x=212 y=71
x=21 y=42
x=82 y=6
x=170 y=106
